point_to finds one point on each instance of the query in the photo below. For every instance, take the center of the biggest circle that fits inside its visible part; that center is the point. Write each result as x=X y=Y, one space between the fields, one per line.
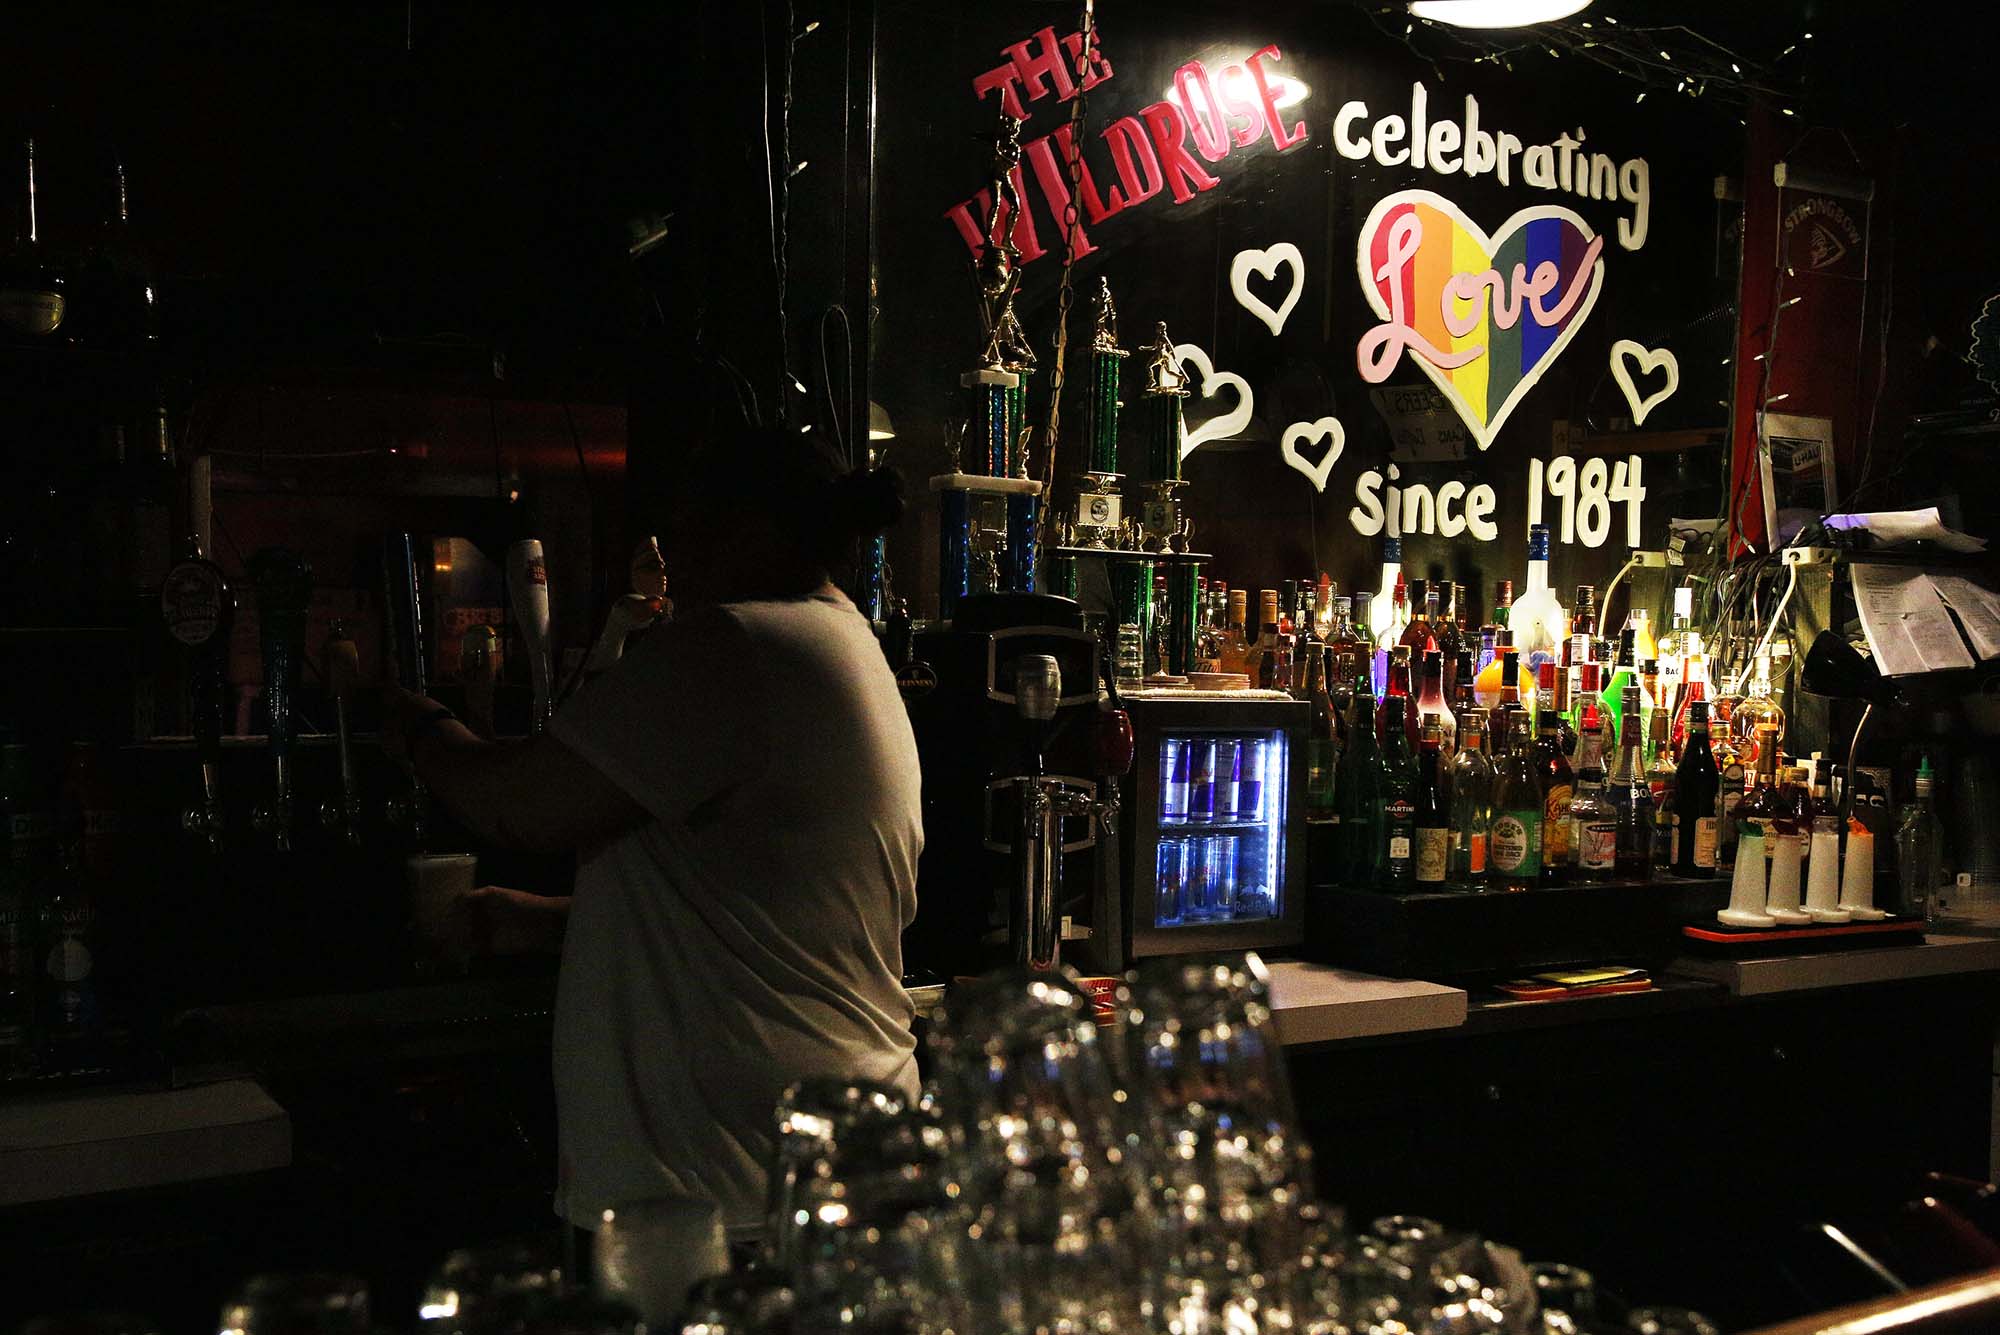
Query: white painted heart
x=1264 y=263
x=1649 y=361
x=1328 y=428
x=1228 y=424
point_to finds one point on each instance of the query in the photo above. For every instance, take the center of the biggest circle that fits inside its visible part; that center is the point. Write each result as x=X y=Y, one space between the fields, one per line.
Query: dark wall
x=1170 y=261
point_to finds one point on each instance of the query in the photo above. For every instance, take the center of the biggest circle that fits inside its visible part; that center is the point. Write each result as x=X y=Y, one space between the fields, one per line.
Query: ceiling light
x=1496 y=13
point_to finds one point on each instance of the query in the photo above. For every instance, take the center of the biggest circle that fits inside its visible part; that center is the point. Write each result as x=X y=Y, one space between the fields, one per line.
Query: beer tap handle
x=341 y=667
x=200 y=610
x=528 y=586
x=284 y=588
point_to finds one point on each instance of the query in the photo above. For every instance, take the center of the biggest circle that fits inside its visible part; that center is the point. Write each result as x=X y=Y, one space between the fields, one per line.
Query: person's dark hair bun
x=863 y=503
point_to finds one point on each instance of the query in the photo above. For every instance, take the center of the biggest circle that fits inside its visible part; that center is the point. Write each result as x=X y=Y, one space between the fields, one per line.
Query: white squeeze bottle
x=1538 y=621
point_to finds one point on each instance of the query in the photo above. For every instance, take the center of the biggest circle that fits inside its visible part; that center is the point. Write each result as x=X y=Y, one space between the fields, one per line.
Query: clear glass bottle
x=1580 y=646
x=1431 y=702
x=1694 y=687
x=1756 y=711
x=1383 y=627
x=1235 y=635
x=1674 y=647
x=1920 y=849
x=1323 y=600
x=1432 y=823
x=1593 y=821
x=1514 y=834
x=1632 y=797
x=1625 y=674
x=1538 y=620
x=1764 y=804
x=1470 y=781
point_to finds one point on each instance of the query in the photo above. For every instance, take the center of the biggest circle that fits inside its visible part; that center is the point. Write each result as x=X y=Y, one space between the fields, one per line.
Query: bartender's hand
x=402 y=711
x=496 y=920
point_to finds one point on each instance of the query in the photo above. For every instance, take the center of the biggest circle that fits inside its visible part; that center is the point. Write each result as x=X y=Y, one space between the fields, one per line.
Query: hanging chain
x=1066 y=293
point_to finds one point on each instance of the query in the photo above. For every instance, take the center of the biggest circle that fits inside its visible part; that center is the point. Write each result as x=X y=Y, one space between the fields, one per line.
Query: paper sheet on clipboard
x=1904 y=616
x=1978 y=610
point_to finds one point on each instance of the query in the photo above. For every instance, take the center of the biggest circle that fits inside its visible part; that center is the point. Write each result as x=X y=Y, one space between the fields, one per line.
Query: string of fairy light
x=1661 y=58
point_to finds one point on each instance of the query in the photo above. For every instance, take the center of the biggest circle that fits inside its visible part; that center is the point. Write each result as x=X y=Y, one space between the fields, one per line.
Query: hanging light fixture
x=1495 y=13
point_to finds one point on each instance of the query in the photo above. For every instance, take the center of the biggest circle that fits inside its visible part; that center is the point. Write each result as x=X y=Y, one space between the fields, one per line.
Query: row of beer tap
x=198 y=603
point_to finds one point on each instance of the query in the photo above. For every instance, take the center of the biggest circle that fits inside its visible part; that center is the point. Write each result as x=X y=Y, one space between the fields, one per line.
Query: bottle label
x=1433 y=845
x=1514 y=842
x=1704 y=842
x=1319 y=772
x=1475 y=850
x=1399 y=848
x=1556 y=824
x=1597 y=845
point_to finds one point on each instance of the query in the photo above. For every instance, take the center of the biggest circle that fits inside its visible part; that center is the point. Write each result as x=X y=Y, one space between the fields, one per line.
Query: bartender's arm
x=537 y=795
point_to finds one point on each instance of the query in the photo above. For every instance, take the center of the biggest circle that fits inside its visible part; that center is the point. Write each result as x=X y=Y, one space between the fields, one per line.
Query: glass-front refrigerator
x=1212 y=828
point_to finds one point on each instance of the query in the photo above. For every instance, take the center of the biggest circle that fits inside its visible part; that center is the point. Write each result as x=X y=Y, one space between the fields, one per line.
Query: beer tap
x=404 y=617
x=200 y=609
x=1035 y=914
x=528 y=585
x=284 y=587
x=340 y=665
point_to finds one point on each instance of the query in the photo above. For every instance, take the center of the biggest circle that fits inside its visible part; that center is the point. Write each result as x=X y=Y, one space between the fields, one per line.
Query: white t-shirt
x=750 y=933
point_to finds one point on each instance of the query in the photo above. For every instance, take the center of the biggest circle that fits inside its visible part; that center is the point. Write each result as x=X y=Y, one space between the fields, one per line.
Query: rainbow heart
x=1483 y=316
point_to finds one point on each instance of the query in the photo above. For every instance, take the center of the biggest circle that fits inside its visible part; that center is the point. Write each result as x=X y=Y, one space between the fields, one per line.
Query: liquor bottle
x=1420 y=636
x=1586 y=710
x=1662 y=778
x=1305 y=618
x=1558 y=791
x=1735 y=781
x=1266 y=642
x=1514 y=835
x=1649 y=689
x=1284 y=676
x=66 y=1013
x=1511 y=682
x=1399 y=798
x=1640 y=622
x=1357 y=791
x=34 y=292
x=1471 y=786
x=1323 y=618
x=1353 y=651
x=1581 y=645
x=1696 y=790
x=1756 y=711
x=1694 y=686
x=1288 y=602
x=1322 y=739
x=1624 y=675
x=1674 y=649
x=1449 y=640
x=1920 y=849
x=1508 y=669
x=1593 y=821
x=1383 y=628
x=1390 y=711
x=1537 y=619
x=1550 y=704
x=1632 y=796
x=1432 y=822
x=1386 y=644
x=1461 y=687
x=1490 y=633
x=1235 y=640
x=1431 y=702
x=1764 y=802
